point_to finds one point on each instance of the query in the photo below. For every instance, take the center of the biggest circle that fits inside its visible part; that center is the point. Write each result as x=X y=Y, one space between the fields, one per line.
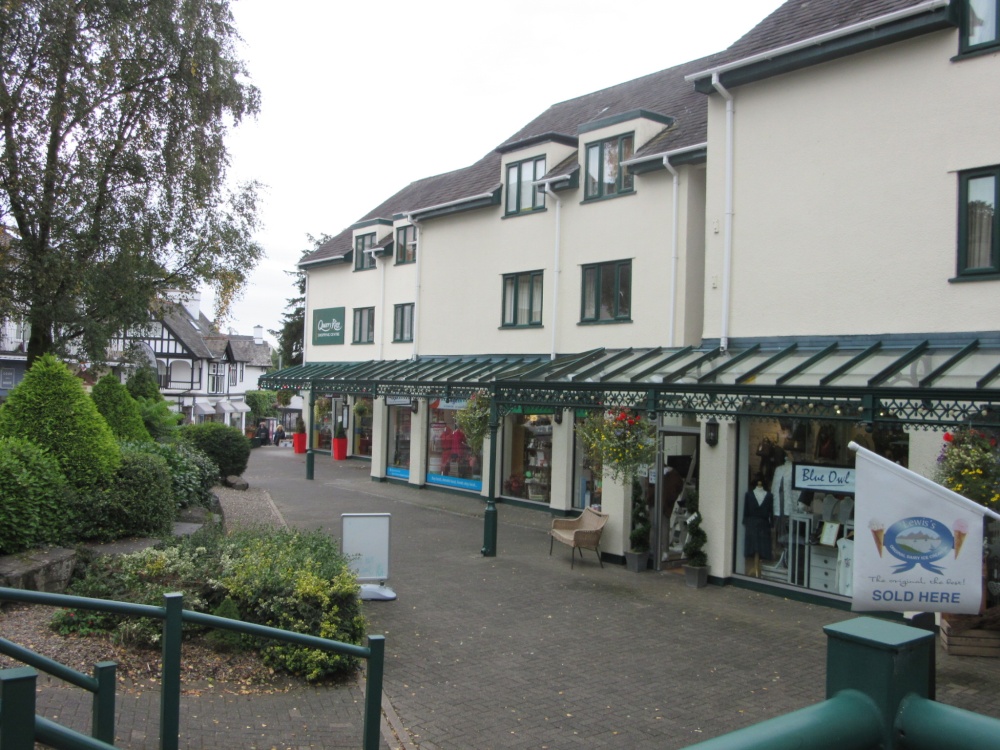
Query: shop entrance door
x=676 y=474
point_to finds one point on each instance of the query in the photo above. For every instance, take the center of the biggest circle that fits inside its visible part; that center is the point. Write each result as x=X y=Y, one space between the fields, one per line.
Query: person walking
x=279 y=435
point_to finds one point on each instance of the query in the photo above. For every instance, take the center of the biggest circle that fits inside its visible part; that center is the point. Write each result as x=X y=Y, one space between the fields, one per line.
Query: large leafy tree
x=113 y=163
x=291 y=335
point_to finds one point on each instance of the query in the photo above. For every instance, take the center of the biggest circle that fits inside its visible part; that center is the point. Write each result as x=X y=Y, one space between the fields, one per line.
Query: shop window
x=522 y=299
x=978 y=229
x=530 y=448
x=523 y=195
x=607 y=292
x=402 y=326
x=605 y=175
x=362 y=260
x=400 y=425
x=979 y=25
x=450 y=460
x=406 y=245
x=362 y=427
x=364 y=325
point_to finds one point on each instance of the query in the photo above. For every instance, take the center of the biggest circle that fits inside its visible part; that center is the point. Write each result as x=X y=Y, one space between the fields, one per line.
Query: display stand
x=365 y=542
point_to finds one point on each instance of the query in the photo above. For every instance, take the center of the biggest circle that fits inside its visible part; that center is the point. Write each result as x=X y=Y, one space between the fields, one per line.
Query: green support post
x=373 y=692
x=17 y=697
x=170 y=684
x=103 y=720
x=310 y=463
x=883 y=660
x=490 y=515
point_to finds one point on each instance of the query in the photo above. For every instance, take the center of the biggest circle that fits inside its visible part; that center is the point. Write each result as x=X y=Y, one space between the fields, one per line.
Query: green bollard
x=310 y=463
x=490 y=529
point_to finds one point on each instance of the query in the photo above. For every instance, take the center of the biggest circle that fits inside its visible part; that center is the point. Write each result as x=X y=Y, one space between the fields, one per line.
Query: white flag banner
x=917 y=545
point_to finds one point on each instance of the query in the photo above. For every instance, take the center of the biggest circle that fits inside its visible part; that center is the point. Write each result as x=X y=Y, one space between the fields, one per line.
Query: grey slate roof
x=177 y=319
x=797 y=20
x=246 y=350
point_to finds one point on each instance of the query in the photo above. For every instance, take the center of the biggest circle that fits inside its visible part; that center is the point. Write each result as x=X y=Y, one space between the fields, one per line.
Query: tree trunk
x=40 y=341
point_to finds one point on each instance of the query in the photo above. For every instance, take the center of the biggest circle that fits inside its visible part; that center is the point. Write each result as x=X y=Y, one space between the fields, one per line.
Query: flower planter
x=339 y=449
x=696 y=576
x=636 y=561
x=299 y=442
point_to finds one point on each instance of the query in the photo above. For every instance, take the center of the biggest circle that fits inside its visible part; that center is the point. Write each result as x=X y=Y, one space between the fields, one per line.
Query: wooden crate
x=972 y=642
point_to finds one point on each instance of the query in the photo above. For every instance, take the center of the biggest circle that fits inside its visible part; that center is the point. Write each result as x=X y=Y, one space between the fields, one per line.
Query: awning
x=933 y=380
x=203 y=409
x=224 y=407
x=240 y=406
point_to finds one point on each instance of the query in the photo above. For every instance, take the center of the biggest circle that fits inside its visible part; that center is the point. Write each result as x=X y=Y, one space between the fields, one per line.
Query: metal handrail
x=173 y=616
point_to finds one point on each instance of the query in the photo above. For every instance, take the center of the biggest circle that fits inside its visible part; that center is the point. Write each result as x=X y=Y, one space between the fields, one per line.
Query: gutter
x=664 y=155
x=449 y=204
x=915 y=10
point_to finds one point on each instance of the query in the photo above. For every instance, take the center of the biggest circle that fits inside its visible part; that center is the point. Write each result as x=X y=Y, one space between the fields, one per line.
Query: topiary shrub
x=160 y=421
x=119 y=410
x=140 y=501
x=50 y=408
x=226 y=446
x=144 y=383
x=192 y=473
x=36 y=503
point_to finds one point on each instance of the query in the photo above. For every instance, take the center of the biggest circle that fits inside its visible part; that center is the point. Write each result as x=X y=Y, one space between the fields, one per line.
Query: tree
x=291 y=335
x=119 y=409
x=113 y=163
x=263 y=404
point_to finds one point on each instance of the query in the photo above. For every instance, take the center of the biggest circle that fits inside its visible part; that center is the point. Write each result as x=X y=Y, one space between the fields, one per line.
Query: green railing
x=17 y=686
x=879 y=675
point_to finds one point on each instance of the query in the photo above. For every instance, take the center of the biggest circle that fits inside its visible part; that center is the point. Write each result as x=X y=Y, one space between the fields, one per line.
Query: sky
x=360 y=99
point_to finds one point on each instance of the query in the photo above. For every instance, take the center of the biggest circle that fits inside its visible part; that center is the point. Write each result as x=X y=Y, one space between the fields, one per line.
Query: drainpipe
x=416 y=284
x=547 y=188
x=673 y=251
x=727 y=258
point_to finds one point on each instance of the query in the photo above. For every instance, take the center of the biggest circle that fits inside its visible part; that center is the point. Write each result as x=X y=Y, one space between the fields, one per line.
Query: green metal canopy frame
x=931 y=382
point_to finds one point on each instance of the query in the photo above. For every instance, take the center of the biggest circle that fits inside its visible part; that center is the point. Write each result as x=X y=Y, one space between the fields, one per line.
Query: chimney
x=258 y=334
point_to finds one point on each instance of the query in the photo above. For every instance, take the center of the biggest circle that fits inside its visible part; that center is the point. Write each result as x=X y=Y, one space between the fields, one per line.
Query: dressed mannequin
x=786 y=501
x=758 y=515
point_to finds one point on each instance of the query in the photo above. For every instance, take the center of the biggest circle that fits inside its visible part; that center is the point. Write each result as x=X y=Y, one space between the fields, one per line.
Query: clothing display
x=758 y=515
x=785 y=498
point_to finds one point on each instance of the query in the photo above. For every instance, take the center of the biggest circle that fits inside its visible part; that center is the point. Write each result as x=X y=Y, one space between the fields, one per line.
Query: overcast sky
x=360 y=99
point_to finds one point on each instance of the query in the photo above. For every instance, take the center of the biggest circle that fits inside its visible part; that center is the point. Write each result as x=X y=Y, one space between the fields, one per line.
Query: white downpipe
x=727 y=256
x=416 y=284
x=381 y=306
x=674 y=259
x=556 y=266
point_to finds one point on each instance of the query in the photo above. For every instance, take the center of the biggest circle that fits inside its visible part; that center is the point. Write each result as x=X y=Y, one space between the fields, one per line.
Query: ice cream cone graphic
x=878 y=534
x=960 y=529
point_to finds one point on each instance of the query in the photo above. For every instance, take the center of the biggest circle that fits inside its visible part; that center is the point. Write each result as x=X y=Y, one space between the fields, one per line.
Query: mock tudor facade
x=775 y=250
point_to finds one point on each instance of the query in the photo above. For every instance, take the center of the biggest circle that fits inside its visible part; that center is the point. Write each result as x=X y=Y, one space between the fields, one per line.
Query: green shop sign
x=328 y=326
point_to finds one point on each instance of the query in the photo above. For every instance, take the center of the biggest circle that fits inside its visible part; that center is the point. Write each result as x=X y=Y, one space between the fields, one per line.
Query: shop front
x=450 y=461
x=362 y=429
x=399 y=434
x=527 y=455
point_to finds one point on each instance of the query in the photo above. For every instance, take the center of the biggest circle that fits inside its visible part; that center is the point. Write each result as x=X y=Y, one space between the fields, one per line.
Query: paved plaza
x=520 y=650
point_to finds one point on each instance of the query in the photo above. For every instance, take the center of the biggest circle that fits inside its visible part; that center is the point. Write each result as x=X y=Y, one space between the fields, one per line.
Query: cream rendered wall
x=716 y=489
x=341 y=286
x=846 y=193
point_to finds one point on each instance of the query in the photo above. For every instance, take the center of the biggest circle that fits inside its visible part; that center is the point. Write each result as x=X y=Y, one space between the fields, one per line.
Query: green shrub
x=50 y=408
x=160 y=421
x=227 y=640
x=226 y=446
x=36 y=503
x=119 y=409
x=296 y=581
x=144 y=383
x=263 y=404
x=192 y=473
x=140 y=501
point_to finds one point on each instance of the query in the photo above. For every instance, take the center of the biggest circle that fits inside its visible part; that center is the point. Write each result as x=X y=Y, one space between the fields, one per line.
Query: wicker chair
x=580 y=533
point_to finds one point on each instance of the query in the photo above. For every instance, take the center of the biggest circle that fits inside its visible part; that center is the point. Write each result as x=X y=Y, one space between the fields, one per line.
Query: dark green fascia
x=635 y=114
x=689 y=157
x=372 y=223
x=566 y=140
x=567 y=182
x=492 y=200
x=869 y=39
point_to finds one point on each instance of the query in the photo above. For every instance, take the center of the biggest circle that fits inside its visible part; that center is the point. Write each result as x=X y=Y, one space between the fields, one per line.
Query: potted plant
x=339 y=443
x=637 y=556
x=473 y=420
x=695 y=559
x=362 y=408
x=299 y=435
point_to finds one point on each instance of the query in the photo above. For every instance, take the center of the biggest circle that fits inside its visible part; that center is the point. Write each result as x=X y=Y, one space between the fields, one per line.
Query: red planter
x=339 y=449
x=299 y=442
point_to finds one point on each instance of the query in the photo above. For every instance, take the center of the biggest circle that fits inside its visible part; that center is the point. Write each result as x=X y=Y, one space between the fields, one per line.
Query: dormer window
x=362 y=260
x=523 y=195
x=406 y=244
x=980 y=25
x=605 y=175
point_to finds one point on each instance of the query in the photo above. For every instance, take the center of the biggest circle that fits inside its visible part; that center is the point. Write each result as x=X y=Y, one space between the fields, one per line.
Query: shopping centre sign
x=328 y=326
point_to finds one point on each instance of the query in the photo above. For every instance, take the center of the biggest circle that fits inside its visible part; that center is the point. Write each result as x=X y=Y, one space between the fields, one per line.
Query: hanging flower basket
x=618 y=442
x=474 y=420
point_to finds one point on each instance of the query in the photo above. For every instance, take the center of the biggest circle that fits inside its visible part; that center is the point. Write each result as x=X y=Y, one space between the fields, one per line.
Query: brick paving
x=520 y=651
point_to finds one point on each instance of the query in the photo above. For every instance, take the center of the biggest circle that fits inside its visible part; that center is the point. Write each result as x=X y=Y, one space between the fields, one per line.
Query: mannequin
x=758 y=515
x=786 y=501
